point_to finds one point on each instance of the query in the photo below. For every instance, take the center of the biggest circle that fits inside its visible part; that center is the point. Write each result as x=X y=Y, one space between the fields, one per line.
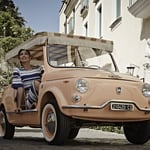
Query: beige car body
x=111 y=98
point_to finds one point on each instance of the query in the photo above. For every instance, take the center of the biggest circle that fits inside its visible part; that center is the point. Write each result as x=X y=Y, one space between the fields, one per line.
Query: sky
x=41 y=15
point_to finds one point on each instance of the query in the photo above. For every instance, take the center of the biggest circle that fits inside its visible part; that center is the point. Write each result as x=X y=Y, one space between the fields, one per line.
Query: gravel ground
x=87 y=139
x=91 y=133
x=83 y=133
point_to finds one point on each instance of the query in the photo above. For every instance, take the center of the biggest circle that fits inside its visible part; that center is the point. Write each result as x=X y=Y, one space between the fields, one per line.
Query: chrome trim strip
x=86 y=107
x=23 y=111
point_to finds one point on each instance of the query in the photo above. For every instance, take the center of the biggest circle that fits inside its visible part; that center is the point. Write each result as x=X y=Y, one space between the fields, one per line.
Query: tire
x=73 y=133
x=7 y=130
x=138 y=132
x=55 y=125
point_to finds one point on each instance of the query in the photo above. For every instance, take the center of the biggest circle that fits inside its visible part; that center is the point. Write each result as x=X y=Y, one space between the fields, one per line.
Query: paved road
x=87 y=139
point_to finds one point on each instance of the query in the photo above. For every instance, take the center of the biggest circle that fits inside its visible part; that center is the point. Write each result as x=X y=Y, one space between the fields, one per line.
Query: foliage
x=12 y=26
x=9 y=6
x=116 y=129
x=12 y=33
x=5 y=78
x=9 y=42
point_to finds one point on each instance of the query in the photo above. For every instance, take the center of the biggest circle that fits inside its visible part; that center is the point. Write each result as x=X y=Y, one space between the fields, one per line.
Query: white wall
x=128 y=48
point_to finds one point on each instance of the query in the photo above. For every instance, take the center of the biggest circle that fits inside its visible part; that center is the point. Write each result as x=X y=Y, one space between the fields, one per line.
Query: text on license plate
x=122 y=107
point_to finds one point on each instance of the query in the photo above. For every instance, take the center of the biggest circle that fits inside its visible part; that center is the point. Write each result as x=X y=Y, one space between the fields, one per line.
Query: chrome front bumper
x=85 y=107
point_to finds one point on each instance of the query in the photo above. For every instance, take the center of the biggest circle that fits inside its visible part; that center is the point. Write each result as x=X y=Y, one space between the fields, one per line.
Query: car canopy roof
x=41 y=39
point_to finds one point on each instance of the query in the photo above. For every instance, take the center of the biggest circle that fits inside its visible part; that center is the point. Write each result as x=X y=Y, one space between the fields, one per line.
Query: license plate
x=122 y=107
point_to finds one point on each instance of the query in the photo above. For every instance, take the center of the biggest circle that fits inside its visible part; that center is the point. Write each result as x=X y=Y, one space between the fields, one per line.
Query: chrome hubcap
x=51 y=122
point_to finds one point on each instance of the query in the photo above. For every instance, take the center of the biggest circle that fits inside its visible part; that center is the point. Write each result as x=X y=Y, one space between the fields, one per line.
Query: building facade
x=112 y=20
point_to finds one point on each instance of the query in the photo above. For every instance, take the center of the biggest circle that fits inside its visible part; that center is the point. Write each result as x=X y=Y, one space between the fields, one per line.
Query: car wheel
x=7 y=130
x=138 y=132
x=55 y=125
x=73 y=133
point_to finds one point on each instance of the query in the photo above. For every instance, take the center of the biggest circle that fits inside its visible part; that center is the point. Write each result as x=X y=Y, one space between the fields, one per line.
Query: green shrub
x=116 y=129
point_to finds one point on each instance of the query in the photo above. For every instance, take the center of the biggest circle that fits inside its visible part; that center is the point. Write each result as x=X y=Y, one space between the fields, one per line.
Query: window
x=71 y=23
x=131 y=2
x=118 y=8
x=100 y=20
x=84 y=8
x=86 y=29
x=60 y=55
x=116 y=14
x=65 y=26
x=84 y=3
x=73 y=19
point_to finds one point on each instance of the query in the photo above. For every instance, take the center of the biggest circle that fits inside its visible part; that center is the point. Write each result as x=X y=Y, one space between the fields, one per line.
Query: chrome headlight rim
x=146 y=89
x=82 y=86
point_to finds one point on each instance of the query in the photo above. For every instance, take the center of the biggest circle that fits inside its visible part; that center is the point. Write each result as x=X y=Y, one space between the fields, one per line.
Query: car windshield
x=75 y=56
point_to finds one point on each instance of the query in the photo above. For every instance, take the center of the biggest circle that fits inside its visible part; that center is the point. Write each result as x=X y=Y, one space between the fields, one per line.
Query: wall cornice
x=140 y=9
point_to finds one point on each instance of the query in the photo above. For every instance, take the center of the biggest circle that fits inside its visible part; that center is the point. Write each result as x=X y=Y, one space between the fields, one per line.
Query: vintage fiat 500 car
x=81 y=86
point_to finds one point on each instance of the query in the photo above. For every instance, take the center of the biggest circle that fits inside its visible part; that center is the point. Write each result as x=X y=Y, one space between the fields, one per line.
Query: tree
x=12 y=26
x=8 y=6
x=12 y=33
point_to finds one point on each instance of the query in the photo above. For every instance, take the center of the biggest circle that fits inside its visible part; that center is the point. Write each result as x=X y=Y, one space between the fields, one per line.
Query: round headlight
x=146 y=89
x=82 y=85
